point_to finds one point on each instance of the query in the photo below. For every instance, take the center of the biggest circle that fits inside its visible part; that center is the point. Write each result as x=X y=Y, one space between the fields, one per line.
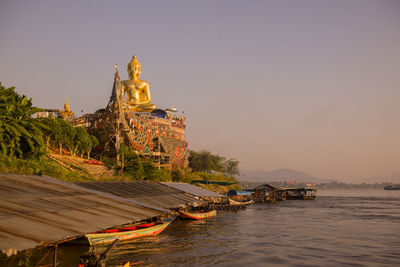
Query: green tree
x=231 y=167
x=60 y=132
x=87 y=144
x=94 y=143
x=123 y=150
x=79 y=136
x=204 y=161
x=63 y=133
x=131 y=162
x=178 y=174
x=151 y=172
x=20 y=134
x=48 y=130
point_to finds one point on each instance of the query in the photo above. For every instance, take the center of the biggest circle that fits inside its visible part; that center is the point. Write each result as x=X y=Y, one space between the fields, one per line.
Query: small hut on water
x=266 y=193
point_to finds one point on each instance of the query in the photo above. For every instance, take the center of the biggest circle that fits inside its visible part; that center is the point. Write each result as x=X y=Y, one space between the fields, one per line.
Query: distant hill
x=392 y=178
x=260 y=175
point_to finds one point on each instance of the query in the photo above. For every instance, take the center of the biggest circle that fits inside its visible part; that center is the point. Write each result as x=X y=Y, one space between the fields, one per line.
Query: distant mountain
x=260 y=175
x=392 y=178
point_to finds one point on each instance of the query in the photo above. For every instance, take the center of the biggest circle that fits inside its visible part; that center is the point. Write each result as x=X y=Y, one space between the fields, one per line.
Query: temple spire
x=66 y=112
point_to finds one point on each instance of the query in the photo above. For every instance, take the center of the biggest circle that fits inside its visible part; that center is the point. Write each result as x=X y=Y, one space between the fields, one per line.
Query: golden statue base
x=142 y=108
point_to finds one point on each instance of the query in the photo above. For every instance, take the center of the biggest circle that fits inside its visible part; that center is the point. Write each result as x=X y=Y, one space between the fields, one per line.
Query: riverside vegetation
x=53 y=147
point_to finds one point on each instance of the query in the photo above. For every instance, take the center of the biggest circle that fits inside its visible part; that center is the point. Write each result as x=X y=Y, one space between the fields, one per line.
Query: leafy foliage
x=178 y=174
x=20 y=135
x=204 y=161
x=131 y=163
x=59 y=133
x=140 y=169
x=152 y=173
x=231 y=167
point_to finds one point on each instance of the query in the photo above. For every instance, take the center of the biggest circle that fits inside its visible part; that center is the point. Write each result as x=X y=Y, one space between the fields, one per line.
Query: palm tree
x=20 y=134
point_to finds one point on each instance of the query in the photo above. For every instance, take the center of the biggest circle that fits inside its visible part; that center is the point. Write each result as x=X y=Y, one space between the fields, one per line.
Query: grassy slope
x=74 y=169
x=45 y=166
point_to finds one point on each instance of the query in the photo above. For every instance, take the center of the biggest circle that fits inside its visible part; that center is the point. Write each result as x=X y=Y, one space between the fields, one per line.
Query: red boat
x=197 y=215
x=130 y=232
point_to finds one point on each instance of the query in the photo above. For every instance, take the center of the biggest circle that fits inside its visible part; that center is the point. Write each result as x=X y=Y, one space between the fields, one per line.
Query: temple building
x=66 y=112
x=131 y=119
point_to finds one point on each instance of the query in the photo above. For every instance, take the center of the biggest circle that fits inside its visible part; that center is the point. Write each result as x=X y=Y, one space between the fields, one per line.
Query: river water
x=339 y=228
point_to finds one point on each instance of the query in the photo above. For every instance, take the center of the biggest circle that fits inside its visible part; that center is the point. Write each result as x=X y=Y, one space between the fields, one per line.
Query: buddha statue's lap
x=137 y=90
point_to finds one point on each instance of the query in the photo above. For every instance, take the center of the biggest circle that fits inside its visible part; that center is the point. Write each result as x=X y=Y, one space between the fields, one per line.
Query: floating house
x=300 y=193
x=267 y=193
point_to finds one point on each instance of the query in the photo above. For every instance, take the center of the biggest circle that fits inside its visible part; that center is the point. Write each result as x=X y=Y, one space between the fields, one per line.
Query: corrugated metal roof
x=148 y=192
x=193 y=190
x=36 y=210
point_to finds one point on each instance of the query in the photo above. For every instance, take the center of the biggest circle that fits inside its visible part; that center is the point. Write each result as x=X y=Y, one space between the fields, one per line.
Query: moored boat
x=234 y=202
x=197 y=215
x=392 y=187
x=127 y=233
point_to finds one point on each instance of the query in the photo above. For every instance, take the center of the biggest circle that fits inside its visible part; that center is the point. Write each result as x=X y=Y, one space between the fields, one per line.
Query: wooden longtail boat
x=234 y=202
x=127 y=233
x=197 y=215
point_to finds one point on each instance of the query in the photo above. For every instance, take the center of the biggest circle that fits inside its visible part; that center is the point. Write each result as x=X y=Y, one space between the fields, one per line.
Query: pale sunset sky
x=310 y=85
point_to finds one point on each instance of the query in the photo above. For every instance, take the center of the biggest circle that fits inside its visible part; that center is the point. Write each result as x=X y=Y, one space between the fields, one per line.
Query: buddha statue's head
x=134 y=68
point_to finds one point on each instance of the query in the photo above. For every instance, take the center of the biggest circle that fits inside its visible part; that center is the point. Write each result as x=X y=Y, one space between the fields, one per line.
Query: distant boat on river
x=392 y=187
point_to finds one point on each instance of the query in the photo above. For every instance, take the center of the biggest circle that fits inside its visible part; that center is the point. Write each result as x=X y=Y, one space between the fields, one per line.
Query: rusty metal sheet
x=193 y=190
x=151 y=193
x=38 y=210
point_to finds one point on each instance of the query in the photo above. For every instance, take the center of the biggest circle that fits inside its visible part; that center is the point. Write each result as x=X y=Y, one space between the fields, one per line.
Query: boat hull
x=197 y=216
x=392 y=187
x=104 y=238
x=233 y=202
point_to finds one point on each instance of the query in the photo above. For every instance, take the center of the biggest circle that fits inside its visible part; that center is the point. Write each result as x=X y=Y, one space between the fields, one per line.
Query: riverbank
x=76 y=169
x=339 y=228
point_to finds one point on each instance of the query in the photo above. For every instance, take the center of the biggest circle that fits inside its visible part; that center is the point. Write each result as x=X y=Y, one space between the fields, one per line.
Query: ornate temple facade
x=132 y=120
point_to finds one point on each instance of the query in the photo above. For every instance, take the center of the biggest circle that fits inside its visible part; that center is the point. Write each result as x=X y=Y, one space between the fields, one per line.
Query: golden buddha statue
x=137 y=90
x=66 y=112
